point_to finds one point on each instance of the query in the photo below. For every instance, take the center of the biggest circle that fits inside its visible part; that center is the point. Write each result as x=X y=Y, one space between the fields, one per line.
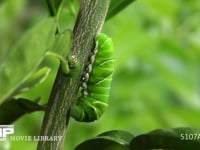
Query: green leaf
x=101 y=143
x=61 y=49
x=68 y=14
x=53 y=6
x=116 y=6
x=62 y=43
x=9 y=12
x=34 y=80
x=13 y=109
x=184 y=138
x=119 y=135
x=111 y=140
x=25 y=56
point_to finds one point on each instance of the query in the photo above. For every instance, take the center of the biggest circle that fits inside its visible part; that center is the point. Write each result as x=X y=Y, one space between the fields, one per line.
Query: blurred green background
x=156 y=80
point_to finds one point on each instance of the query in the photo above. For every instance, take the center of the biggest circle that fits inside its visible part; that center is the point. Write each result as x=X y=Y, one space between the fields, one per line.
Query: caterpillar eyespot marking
x=89 y=68
x=86 y=77
x=95 y=82
x=84 y=85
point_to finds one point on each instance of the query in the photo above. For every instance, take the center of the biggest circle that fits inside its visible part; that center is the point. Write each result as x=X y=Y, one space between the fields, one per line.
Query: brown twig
x=89 y=22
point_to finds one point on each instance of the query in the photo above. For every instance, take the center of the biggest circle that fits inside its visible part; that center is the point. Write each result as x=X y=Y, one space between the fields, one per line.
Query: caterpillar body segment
x=96 y=82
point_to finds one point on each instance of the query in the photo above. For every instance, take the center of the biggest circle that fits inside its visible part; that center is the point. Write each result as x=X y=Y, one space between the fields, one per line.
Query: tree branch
x=89 y=22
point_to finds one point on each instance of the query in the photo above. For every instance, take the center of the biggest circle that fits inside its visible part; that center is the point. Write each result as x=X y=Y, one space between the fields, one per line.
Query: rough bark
x=89 y=22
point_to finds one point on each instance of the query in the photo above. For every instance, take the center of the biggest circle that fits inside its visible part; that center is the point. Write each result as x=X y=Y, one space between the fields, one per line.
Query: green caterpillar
x=95 y=82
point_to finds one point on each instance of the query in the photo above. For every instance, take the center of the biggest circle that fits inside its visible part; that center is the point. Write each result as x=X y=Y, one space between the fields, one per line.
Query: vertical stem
x=89 y=22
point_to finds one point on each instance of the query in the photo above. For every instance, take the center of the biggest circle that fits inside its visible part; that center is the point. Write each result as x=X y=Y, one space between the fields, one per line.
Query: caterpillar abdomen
x=96 y=82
